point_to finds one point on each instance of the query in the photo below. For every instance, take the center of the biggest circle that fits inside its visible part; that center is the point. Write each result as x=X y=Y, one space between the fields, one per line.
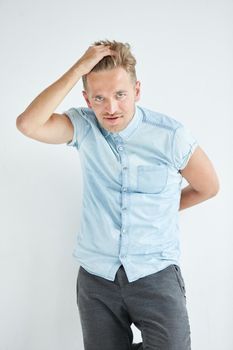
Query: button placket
x=124 y=201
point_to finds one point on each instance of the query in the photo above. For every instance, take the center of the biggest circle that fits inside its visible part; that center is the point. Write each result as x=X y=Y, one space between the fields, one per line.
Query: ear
x=85 y=95
x=137 y=90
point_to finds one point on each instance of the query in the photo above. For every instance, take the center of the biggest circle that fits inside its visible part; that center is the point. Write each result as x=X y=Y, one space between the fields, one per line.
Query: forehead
x=109 y=80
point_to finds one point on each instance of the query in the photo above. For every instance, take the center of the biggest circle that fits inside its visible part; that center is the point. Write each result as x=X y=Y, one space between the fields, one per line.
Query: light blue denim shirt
x=131 y=192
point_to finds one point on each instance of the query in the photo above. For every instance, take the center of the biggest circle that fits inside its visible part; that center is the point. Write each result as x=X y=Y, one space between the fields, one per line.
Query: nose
x=111 y=107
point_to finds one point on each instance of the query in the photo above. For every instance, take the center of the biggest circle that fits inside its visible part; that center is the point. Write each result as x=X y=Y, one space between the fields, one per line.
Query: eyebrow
x=98 y=95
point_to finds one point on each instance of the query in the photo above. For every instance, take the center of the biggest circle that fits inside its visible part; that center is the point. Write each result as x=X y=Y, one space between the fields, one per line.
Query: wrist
x=78 y=69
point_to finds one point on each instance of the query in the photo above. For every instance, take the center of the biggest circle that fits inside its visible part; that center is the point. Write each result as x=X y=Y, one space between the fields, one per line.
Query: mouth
x=112 y=119
x=119 y=116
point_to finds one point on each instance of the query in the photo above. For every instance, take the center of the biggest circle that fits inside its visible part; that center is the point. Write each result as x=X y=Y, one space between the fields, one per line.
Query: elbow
x=210 y=191
x=21 y=125
x=214 y=190
x=213 y=193
x=19 y=122
x=213 y=187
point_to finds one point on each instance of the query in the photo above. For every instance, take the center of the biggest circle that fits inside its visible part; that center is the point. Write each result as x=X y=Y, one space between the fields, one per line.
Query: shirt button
x=124 y=230
x=124 y=189
x=120 y=148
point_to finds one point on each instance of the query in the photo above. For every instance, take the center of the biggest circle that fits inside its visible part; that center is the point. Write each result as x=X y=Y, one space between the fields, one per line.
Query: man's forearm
x=41 y=108
x=190 y=197
x=44 y=105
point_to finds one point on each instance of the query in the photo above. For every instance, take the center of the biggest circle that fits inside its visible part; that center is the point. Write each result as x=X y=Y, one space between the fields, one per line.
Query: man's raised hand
x=92 y=56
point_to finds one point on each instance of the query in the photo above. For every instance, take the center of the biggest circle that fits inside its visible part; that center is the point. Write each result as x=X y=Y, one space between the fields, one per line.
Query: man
x=133 y=161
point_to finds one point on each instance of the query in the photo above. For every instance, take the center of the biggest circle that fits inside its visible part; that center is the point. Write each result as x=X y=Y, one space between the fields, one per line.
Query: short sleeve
x=184 y=145
x=80 y=125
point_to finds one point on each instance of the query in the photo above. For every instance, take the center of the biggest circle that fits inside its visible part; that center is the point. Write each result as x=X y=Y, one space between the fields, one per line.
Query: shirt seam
x=172 y=148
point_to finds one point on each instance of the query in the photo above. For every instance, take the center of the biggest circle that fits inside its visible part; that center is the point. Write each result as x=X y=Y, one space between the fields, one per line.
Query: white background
x=184 y=62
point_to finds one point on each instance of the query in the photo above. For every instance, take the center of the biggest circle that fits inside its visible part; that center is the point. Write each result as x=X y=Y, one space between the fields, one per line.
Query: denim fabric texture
x=131 y=192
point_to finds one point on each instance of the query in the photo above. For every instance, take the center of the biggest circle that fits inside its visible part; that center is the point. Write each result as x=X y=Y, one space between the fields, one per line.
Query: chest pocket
x=152 y=178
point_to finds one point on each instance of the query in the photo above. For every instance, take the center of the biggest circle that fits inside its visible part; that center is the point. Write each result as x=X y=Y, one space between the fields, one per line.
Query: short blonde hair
x=124 y=59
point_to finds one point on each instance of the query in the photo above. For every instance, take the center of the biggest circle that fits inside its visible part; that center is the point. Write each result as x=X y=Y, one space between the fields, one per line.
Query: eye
x=98 y=98
x=121 y=94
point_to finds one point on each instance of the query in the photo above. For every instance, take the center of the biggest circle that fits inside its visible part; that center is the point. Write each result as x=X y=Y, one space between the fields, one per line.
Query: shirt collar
x=129 y=129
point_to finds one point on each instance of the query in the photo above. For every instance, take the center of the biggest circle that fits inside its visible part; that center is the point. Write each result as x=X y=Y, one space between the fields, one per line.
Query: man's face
x=112 y=96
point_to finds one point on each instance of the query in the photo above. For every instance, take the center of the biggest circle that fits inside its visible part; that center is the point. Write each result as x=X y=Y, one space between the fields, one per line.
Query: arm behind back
x=58 y=129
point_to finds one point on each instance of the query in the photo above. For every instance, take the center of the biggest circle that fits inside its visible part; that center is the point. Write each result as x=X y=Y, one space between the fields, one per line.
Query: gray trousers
x=155 y=304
